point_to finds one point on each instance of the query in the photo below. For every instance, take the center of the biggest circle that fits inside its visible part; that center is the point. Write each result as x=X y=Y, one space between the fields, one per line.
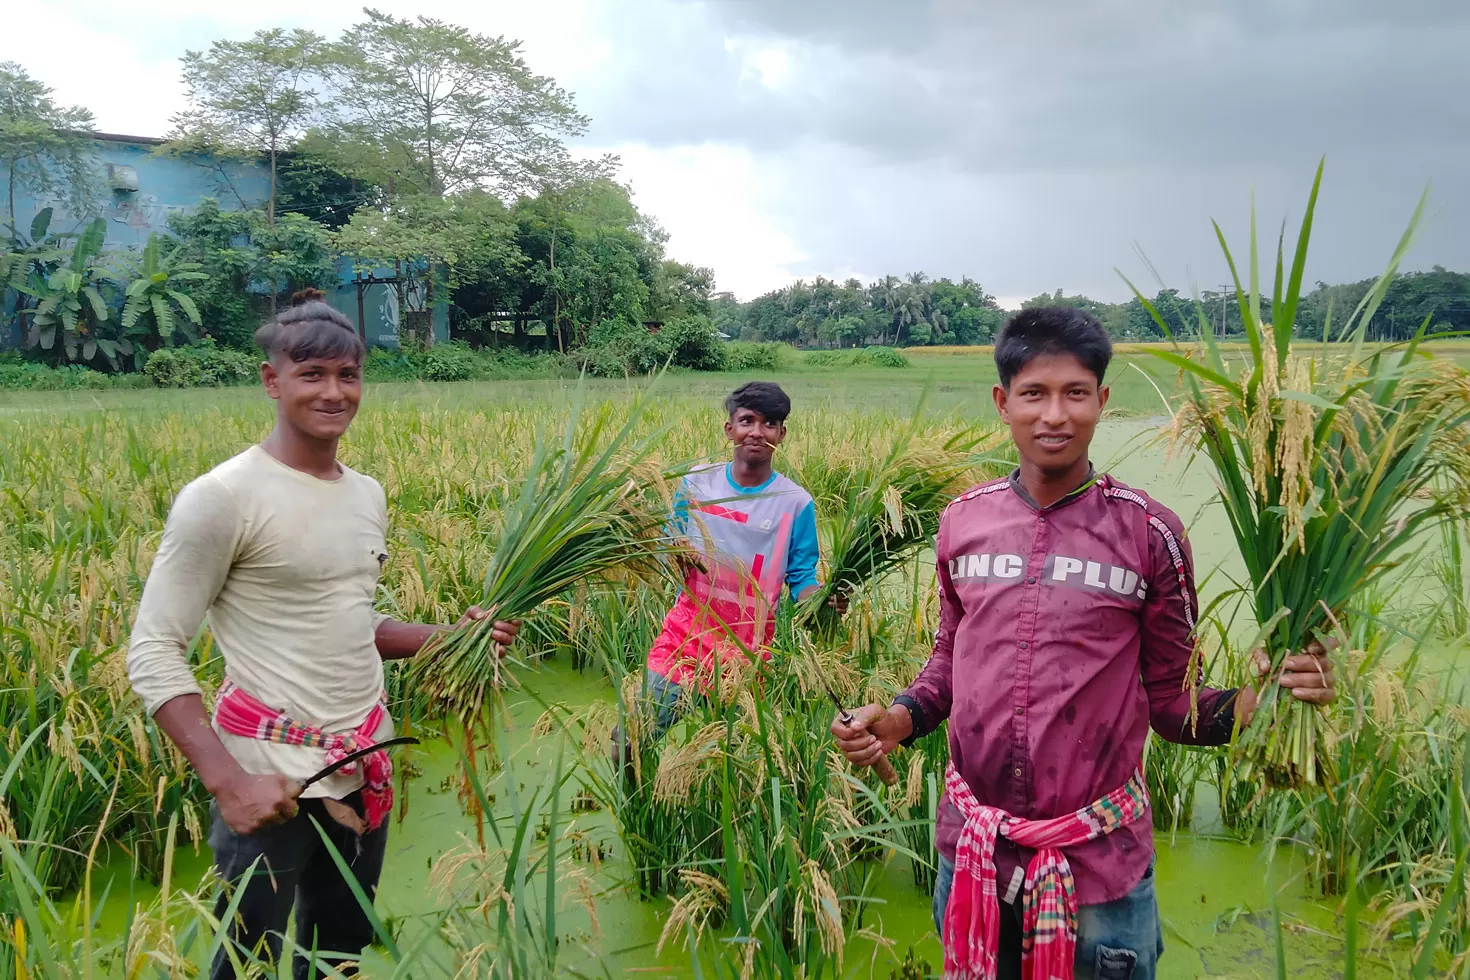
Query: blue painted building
x=141 y=188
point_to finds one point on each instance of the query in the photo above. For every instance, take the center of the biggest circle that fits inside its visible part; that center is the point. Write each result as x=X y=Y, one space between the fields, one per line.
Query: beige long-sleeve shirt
x=285 y=567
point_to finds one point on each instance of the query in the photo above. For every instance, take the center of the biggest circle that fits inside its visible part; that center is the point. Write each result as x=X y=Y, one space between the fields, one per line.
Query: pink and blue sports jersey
x=754 y=540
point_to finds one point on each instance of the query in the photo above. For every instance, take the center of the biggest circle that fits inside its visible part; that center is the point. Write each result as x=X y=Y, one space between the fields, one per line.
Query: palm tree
x=887 y=297
x=939 y=321
x=793 y=296
x=911 y=310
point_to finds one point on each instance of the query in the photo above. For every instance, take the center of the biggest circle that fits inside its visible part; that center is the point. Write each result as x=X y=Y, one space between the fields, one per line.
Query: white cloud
x=715 y=203
x=766 y=63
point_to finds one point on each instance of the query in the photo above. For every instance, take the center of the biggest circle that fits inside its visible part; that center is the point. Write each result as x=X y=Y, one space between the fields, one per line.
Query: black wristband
x=1222 y=726
x=916 y=714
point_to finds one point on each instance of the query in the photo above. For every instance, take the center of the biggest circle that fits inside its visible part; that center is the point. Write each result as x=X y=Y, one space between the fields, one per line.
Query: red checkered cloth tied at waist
x=1049 y=901
x=240 y=714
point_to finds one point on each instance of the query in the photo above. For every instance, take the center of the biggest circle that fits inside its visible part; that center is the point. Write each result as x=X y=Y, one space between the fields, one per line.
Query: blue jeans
x=667 y=699
x=1118 y=940
x=668 y=702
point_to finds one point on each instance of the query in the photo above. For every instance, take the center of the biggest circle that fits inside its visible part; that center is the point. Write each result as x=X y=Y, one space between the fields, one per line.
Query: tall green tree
x=433 y=241
x=252 y=98
x=45 y=148
x=681 y=290
x=608 y=258
x=432 y=108
x=564 y=186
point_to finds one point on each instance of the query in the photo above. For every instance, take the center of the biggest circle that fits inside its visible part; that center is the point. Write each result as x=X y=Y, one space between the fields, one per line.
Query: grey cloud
x=1031 y=144
x=1062 y=84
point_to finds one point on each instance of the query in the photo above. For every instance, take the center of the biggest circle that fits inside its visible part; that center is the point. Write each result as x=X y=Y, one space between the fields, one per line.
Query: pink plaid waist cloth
x=239 y=713
x=1049 y=900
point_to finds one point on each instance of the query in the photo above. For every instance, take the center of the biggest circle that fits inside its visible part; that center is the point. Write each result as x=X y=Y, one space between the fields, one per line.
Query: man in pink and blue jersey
x=756 y=531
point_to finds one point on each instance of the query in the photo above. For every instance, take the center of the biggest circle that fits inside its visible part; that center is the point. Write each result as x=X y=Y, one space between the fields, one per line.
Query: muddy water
x=1214 y=895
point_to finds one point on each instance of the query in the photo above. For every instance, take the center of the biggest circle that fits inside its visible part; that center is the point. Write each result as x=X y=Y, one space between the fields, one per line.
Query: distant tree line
x=1439 y=297
x=918 y=311
x=912 y=311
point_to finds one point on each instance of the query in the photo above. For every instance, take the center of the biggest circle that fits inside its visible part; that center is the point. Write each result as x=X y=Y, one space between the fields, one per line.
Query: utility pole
x=1224 y=291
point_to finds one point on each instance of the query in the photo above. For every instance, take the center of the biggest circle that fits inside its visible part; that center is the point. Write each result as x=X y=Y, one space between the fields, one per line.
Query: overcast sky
x=1030 y=144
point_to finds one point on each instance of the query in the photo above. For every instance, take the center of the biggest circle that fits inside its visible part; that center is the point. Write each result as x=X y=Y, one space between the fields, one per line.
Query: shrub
x=746 y=356
x=452 y=361
x=74 y=377
x=617 y=349
x=388 y=365
x=204 y=364
x=458 y=362
x=828 y=358
x=694 y=343
x=885 y=357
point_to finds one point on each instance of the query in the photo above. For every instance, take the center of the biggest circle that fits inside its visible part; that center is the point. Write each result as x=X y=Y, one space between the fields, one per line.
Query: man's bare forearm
x=400 y=641
x=184 y=720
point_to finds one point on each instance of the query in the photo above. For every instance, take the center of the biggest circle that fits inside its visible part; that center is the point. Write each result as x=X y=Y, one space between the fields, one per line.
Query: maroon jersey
x=1065 y=631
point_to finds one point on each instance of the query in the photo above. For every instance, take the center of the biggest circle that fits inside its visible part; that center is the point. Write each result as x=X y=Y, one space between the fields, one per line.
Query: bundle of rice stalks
x=1329 y=469
x=884 y=510
x=589 y=510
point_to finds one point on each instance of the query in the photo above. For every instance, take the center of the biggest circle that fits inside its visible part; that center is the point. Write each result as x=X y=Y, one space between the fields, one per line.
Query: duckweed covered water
x=1213 y=894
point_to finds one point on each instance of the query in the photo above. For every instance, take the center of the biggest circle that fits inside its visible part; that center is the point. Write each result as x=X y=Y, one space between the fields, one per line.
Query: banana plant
x=155 y=303
x=23 y=254
x=69 y=306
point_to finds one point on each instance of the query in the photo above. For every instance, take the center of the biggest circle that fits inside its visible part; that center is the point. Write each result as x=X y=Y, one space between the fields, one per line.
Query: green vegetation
x=88 y=491
x=917 y=312
x=1329 y=469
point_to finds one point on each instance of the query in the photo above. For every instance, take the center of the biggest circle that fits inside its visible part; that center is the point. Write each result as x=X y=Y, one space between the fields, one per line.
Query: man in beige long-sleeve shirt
x=281 y=547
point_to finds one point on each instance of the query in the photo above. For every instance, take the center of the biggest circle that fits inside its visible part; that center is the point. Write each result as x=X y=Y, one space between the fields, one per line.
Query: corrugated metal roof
x=120 y=138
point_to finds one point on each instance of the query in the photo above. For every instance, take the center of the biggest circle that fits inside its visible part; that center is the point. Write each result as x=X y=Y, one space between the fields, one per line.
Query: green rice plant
x=1436 y=913
x=1396 y=745
x=918 y=807
x=498 y=920
x=1173 y=773
x=506 y=894
x=1450 y=566
x=604 y=625
x=588 y=509
x=1328 y=470
x=881 y=510
x=663 y=825
x=785 y=888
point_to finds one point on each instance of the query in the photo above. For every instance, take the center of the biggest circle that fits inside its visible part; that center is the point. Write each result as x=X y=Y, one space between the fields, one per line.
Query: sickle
x=352 y=757
x=882 y=767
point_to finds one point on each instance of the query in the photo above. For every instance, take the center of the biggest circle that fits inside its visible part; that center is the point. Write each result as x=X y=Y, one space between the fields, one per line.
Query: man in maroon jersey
x=1067 y=621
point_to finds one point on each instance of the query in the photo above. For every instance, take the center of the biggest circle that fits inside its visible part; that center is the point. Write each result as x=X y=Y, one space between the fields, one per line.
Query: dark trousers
x=297 y=871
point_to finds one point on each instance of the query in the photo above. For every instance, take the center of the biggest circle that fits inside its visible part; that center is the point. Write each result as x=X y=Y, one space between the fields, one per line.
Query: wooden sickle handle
x=885 y=772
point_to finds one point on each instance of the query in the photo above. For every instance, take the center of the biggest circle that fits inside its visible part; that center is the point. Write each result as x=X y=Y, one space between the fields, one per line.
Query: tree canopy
x=252 y=98
x=45 y=148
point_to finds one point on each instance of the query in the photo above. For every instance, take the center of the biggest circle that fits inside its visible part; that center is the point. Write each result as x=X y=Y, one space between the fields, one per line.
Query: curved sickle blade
x=354 y=756
x=843 y=712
